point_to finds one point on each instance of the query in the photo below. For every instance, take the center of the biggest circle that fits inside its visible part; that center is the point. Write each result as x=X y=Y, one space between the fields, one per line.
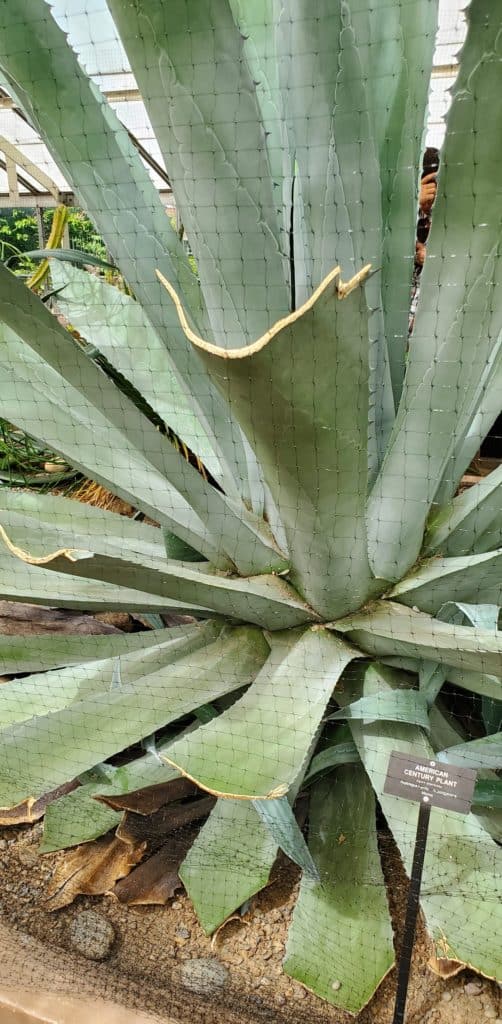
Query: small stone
x=336 y=986
x=203 y=974
x=473 y=988
x=280 y=1000
x=446 y=997
x=301 y=993
x=3 y=844
x=176 y=905
x=490 y=1013
x=182 y=932
x=92 y=935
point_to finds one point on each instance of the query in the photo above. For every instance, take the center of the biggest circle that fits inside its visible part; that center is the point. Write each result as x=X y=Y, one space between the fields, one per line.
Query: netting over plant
x=295 y=449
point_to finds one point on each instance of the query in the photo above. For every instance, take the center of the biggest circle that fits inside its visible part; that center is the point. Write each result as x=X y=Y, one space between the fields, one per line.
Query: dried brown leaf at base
x=170 y=818
x=93 y=869
x=18 y=619
x=151 y=798
x=156 y=880
x=31 y=810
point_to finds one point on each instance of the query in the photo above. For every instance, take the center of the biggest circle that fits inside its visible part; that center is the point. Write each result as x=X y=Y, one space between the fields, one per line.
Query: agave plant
x=327 y=561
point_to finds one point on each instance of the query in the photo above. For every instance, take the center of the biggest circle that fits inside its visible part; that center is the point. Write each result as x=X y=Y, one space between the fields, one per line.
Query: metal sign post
x=432 y=784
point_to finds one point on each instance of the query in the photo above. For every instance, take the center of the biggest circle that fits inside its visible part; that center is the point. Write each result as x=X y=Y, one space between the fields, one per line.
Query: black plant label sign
x=430 y=782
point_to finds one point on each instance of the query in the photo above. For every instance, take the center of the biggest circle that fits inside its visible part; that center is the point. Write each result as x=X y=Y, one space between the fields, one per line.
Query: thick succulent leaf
x=398 y=706
x=432 y=676
x=32 y=584
x=291 y=409
x=43 y=651
x=201 y=99
x=344 y=918
x=458 y=528
x=94 y=152
x=229 y=862
x=35 y=398
x=338 y=212
x=257 y=27
x=391 y=630
x=83 y=819
x=476 y=682
x=446 y=731
x=399 y=54
x=488 y=793
x=117 y=326
x=483 y=753
x=342 y=751
x=66 y=743
x=234 y=526
x=279 y=820
x=462 y=879
x=475 y=579
x=233 y=854
x=45 y=692
x=257 y=748
x=266 y=600
x=61 y=255
x=485 y=410
x=452 y=338
x=80 y=820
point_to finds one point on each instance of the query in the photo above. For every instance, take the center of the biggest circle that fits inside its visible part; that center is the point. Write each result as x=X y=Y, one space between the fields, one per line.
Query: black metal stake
x=410 y=923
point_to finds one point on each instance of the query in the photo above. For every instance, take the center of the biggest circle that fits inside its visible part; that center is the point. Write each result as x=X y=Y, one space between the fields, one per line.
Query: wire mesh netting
x=250 y=501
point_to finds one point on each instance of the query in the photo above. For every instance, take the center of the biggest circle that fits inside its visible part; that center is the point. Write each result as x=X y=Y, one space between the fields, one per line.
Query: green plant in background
x=335 y=565
x=19 y=232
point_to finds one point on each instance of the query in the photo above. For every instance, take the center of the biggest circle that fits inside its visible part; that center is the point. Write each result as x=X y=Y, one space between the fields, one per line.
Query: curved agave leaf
x=458 y=528
x=66 y=743
x=202 y=103
x=399 y=706
x=37 y=401
x=117 y=326
x=229 y=861
x=453 y=338
x=391 y=630
x=290 y=410
x=25 y=314
x=339 y=218
x=256 y=749
x=461 y=886
x=74 y=547
x=485 y=410
x=84 y=818
x=483 y=753
x=33 y=584
x=256 y=25
x=45 y=692
x=475 y=578
x=80 y=820
x=342 y=920
x=41 y=652
x=94 y=152
x=233 y=854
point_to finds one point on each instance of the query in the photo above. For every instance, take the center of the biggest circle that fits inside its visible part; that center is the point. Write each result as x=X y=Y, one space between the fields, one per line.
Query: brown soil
x=142 y=971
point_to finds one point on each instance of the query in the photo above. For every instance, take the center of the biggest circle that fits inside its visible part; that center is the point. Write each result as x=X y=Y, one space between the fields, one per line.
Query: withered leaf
x=151 y=798
x=93 y=869
x=31 y=810
x=153 y=828
x=156 y=880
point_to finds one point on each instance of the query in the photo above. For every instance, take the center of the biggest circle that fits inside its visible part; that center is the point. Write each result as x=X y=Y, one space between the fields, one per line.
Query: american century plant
x=326 y=557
